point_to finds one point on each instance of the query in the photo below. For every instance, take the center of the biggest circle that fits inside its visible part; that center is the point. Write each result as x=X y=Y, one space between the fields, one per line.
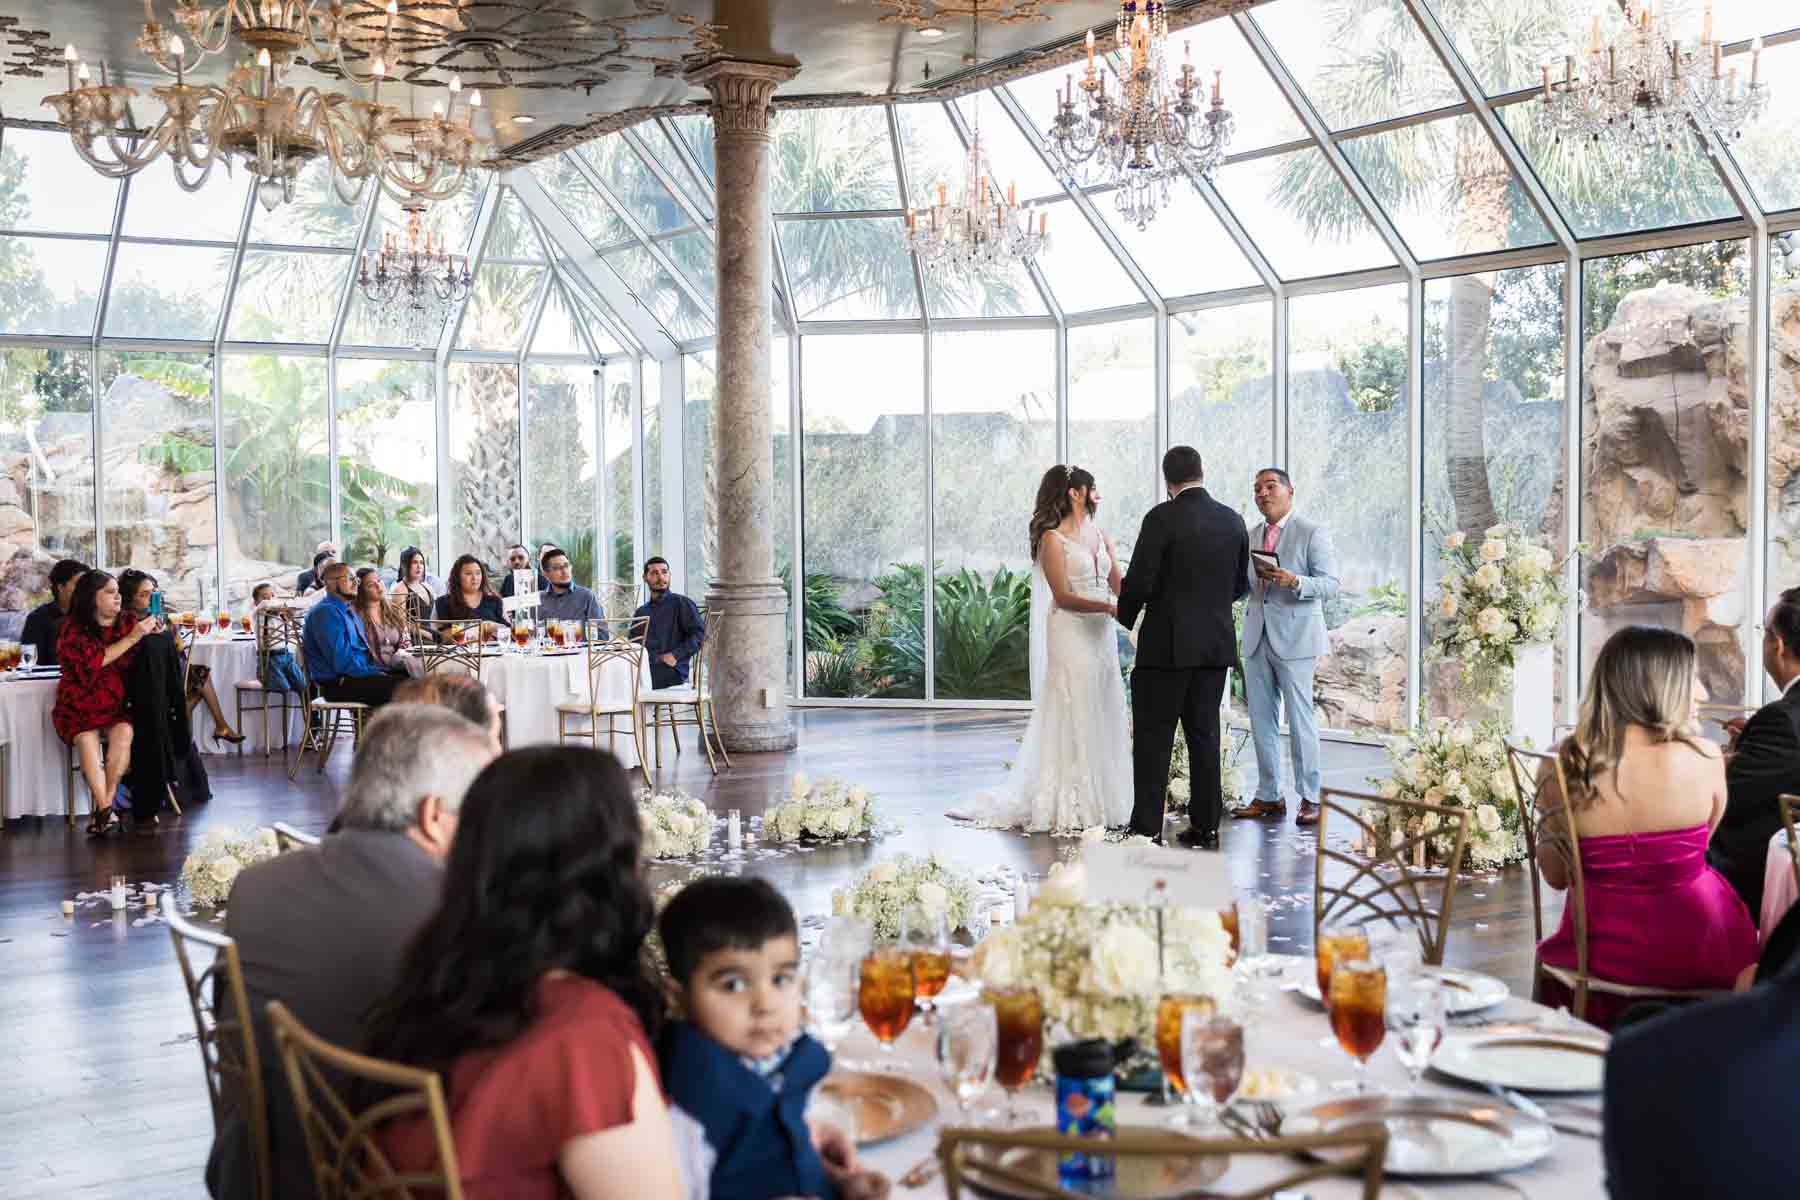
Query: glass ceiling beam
x=702 y=188
x=106 y=278
x=673 y=186
x=359 y=248
x=645 y=241
x=918 y=270
x=491 y=196
x=1051 y=304
x=531 y=325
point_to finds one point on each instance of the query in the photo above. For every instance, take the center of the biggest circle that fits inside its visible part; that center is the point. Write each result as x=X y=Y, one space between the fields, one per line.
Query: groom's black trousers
x=1159 y=698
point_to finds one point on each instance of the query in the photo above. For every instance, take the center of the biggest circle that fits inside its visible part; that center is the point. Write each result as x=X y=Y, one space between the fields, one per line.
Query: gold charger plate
x=886 y=1106
x=1137 y=1177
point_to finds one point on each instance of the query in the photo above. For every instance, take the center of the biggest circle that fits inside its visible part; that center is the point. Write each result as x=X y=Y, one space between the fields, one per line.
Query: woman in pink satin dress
x=1645 y=793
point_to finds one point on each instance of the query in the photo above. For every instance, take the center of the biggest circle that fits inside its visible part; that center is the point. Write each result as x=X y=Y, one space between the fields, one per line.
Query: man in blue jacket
x=337 y=654
x=669 y=626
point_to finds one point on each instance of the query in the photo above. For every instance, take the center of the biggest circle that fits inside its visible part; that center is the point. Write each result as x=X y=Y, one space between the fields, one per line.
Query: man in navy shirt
x=337 y=654
x=674 y=630
x=45 y=621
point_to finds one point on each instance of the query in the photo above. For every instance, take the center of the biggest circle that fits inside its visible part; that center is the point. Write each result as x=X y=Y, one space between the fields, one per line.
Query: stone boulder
x=1361 y=683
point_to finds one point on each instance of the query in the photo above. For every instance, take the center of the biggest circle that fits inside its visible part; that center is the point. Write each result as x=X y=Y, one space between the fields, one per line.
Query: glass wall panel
x=316 y=216
x=653 y=463
x=484 y=460
x=833 y=160
x=387 y=460
x=1222 y=397
x=700 y=482
x=1112 y=421
x=579 y=202
x=849 y=270
x=288 y=297
x=1082 y=273
x=1506 y=45
x=697 y=258
x=632 y=184
x=697 y=134
x=1769 y=150
x=46 y=473
x=1663 y=469
x=166 y=292
x=45 y=187
x=500 y=307
x=1301 y=216
x=156 y=206
x=277 y=467
x=511 y=235
x=783 y=508
x=1014 y=162
x=1347 y=387
x=562 y=453
x=160 y=516
x=993 y=434
x=621 y=489
x=1185 y=250
x=50 y=285
x=1494 y=446
x=863 y=454
x=367 y=325
x=1782 y=491
x=639 y=271
x=556 y=331
x=1357 y=62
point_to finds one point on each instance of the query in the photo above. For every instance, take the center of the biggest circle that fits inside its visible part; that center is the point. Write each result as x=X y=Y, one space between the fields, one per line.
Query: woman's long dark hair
x=1053 y=501
x=81 y=605
x=131 y=580
x=543 y=875
x=457 y=609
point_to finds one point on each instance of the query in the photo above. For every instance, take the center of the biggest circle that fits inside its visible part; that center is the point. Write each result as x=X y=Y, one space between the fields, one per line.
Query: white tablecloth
x=232 y=659
x=1289 y=1035
x=1778 y=883
x=531 y=686
x=38 y=762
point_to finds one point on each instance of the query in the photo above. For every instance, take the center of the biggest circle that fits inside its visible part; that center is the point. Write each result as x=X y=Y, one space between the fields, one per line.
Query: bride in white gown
x=1073 y=770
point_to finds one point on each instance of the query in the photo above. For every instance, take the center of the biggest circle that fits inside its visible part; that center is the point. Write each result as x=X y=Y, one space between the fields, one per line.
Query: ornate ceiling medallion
x=919 y=13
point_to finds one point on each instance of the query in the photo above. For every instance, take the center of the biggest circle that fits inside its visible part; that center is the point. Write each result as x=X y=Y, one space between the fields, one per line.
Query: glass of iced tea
x=1170 y=1011
x=1228 y=918
x=203 y=625
x=521 y=633
x=224 y=620
x=245 y=622
x=1338 y=943
x=926 y=936
x=1212 y=1060
x=885 y=992
x=1019 y=1016
x=1359 y=1011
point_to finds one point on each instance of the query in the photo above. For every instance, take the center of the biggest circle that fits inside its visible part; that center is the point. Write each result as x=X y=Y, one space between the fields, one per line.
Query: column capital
x=741 y=91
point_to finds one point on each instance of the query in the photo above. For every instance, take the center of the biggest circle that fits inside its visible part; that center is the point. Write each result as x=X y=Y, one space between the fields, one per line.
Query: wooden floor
x=101 y=1093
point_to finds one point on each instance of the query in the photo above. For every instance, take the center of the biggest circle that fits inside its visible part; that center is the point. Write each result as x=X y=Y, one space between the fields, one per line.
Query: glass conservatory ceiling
x=1403 y=141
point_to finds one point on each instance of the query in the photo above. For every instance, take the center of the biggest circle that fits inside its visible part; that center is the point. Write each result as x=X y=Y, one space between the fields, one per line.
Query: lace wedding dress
x=1073 y=770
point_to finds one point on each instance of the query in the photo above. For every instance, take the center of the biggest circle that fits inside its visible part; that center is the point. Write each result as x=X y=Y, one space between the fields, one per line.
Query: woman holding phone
x=95 y=648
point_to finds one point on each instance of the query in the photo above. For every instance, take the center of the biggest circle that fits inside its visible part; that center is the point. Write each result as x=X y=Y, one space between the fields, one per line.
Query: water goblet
x=28 y=657
x=1019 y=1018
x=1359 y=1013
x=1212 y=1061
x=1171 y=1011
x=926 y=936
x=830 y=999
x=968 y=1046
x=1417 y=1011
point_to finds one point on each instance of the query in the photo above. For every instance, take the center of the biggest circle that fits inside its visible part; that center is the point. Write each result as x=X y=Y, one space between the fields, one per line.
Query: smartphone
x=156 y=605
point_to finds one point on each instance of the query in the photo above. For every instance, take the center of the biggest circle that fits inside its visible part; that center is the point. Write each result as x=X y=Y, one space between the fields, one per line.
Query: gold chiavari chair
x=690 y=706
x=1023 y=1162
x=1526 y=766
x=627 y=655
x=227 y=1040
x=448 y=644
x=1366 y=896
x=1789 y=805
x=276 y=630
x=347 y=1162
x=288 y=838
x=333 y=718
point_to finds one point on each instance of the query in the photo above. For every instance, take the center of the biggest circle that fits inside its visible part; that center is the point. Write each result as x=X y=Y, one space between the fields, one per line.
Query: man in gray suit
x=1284 y=635
x=323 y=929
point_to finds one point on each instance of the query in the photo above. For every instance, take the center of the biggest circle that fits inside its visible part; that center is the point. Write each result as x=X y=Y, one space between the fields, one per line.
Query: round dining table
x=231 y=659
x=36 y=760
x=1290 y=1032
x=531 y=685
x=1779 y=885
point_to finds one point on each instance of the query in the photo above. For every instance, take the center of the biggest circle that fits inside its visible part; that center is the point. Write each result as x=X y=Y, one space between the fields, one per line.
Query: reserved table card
x=1128 y=874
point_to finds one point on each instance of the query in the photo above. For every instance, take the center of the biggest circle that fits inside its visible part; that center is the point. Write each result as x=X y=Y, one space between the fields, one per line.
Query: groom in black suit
x=1191 y=562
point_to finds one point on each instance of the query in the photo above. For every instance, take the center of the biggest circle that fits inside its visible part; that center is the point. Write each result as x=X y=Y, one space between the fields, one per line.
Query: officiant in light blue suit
x=1284 y=635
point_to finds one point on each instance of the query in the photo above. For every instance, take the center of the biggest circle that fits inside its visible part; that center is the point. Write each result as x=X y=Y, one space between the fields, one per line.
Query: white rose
x=266 y=844
x=1416 y=765
x=1433 y=796
x=1447 y=605
x=799 y=786
x=999 y=957
x=1432 y=821
x=1066 y=885
x=1493 y=550
x=857 y=796
x=1525 y=568
x=1179 y=790
x=884 y=872
x=1487 y=577
x=1545 y=618
x=1455 y=540
x=224 y=869
x=1488 y=817
x=1452 y=779
x=840 y=822
x=1498 y=532
x=1487 y=748
x=933 y=898
x=1462 y=735
x=1489 y=622
x=1389 y=789
x=1123 y=962
x=1502 y=783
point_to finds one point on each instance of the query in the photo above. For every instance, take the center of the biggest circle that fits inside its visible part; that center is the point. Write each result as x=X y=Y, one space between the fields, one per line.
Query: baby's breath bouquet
x=1094 y=965
x=886 y=890
x=825 y=811
x=1494 y=597
x=675 y=824
x=1454 y=764
x=221 y=856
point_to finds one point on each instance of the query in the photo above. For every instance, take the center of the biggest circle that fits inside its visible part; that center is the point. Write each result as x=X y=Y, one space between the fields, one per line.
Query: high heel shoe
x=235 y=739
x=102 y=822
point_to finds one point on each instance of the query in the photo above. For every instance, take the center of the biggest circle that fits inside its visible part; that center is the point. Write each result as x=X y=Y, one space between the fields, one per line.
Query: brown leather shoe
x=1262 y=808
x=1308 y=814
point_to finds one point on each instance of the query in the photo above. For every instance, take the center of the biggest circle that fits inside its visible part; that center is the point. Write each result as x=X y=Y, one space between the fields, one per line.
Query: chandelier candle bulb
x=1705 y=24
x=1716 y=59
x=1756 y=47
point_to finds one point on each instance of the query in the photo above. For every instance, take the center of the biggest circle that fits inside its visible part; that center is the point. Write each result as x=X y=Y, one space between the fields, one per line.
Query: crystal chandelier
x=1645 y=91
x=414 y=284
x=257 y=120
x=983 y=229
x=1141 y=140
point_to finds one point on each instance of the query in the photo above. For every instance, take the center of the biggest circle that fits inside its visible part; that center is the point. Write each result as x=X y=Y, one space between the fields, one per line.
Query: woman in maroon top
x=94 y=649
x=527 y=992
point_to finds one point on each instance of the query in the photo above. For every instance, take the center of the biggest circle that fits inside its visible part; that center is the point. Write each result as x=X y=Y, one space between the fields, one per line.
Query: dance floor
x=101 y=1093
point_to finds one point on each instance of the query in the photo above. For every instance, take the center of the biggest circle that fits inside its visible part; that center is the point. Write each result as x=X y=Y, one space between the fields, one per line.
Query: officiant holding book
x=1293 y=572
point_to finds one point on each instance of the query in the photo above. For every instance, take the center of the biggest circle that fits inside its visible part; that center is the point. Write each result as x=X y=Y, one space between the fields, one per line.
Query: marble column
x=749 y=680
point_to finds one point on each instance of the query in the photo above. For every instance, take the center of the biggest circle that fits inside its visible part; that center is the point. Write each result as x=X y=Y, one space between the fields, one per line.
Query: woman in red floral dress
x=94 y=648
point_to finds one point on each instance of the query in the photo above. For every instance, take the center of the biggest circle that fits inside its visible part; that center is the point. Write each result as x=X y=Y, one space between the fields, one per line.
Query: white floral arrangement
x=221 y=856
x=1231 y=784
x=885 y=891
x=826 y=811
x=1494 y=597
x=1454 y=764
x=675 y=824
x=1094 y=965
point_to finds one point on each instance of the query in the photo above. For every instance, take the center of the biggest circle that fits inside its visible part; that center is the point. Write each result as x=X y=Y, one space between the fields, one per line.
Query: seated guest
x=470 y=598
x=308 y=580
x=518 y=558
x=463 y=695
x=95 y=646
x=527 y=993
x=416 y=586
x=564 y=599
x=137 y=587
x=738 y=1071
x=45 y=621
x=669 y=626
x=322 y=929
x=1695 y=1098
x=384 y=625
x=1645 y=791
x=336 y=650
x=280 y=672
x=1764 y=761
